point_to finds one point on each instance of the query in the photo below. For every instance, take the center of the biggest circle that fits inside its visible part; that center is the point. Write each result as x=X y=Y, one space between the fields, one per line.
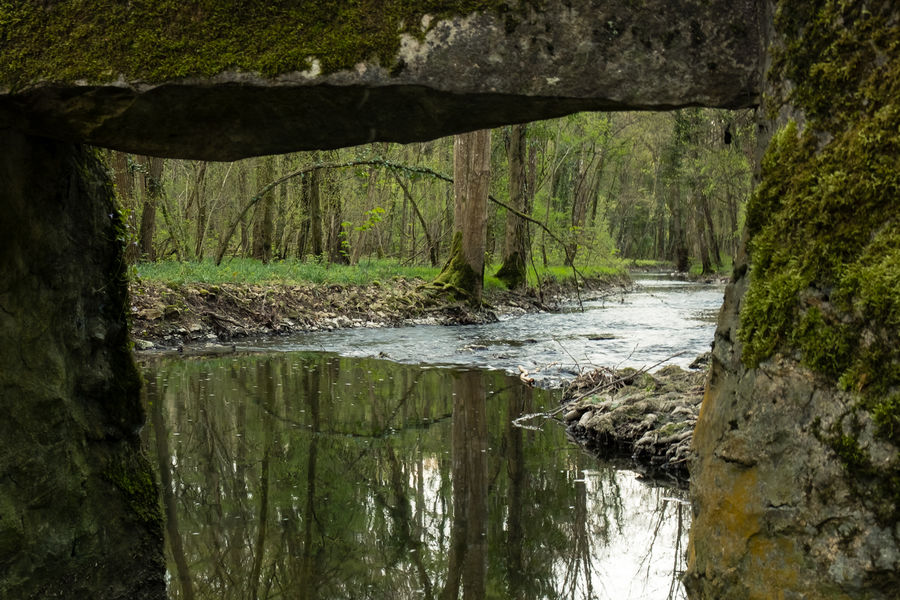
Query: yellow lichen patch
x=732 y=516
x=771 y=560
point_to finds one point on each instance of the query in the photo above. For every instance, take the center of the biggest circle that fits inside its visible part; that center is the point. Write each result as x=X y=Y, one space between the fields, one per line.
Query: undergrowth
x=367 y=272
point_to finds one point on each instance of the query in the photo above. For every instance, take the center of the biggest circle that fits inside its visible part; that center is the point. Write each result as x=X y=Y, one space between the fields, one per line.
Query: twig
x=580 y=370
x=603 y=386
x=606 y=386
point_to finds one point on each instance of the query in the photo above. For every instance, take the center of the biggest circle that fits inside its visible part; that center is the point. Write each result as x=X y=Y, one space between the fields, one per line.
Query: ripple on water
x=661 y=318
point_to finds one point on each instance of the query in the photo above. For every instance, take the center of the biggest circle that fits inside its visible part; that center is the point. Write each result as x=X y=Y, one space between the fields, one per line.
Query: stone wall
x=79 y=515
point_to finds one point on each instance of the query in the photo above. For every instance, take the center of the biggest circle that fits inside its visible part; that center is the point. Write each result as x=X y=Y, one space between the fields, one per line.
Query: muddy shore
x=197 y=317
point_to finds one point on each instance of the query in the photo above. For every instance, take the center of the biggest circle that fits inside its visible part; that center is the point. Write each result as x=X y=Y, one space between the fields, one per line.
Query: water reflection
x=313 y=476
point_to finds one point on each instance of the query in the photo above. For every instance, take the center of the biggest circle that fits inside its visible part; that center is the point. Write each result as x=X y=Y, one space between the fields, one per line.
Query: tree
x=312 y=204
x=515 y=251
x=153 y=191
x=264 y=217
x=463 y=274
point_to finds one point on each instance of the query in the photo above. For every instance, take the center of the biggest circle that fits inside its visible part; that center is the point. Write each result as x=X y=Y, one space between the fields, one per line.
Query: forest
x=598 y=189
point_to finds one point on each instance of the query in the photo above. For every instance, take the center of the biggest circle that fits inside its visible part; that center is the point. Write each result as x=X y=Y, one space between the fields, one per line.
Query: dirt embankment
x=649 y=417
x=167 y=316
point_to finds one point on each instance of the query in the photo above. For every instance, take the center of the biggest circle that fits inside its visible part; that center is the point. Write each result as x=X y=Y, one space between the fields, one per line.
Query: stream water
x=309 y=474
x=662 y=317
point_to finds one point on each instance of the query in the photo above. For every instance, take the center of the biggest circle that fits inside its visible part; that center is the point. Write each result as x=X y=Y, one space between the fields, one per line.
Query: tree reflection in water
x=312 y=476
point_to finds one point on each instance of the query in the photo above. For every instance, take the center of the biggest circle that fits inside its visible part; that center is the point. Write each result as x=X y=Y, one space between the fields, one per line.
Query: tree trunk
x=515 y=252
x=200 y=199
x=705 y=262
x=313 y=204
x=338 y=242
x=463 y=275
x=124 y=180
x=678 y=240
x=715 y=253
x=244 y=247
x=264 y=215
x=153 y=191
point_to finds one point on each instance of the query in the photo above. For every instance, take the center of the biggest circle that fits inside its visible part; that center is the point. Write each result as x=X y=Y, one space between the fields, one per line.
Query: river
x=303 y=473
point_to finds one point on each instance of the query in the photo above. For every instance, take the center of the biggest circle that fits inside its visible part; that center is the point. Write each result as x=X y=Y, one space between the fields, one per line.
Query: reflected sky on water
x=308 y=475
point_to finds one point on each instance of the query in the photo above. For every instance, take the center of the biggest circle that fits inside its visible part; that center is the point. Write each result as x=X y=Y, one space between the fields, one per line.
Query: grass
x=293 y=272
x=724 y=269
x=648 y=263
x=289 y=272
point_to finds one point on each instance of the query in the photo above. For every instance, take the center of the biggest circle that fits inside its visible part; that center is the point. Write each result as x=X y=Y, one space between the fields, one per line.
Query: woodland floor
x=207 y=319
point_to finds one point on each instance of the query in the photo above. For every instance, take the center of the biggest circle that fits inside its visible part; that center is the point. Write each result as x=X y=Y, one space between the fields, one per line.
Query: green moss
x=135 y=481
x=824 y=223
x=513 y=273
x=458 y=279
x=824 y=226
x=880 y=489
x=98 y=40
x=886 y=415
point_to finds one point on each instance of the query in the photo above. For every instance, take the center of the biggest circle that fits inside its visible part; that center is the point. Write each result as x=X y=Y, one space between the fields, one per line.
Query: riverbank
x=649 y=417
x=171 y=315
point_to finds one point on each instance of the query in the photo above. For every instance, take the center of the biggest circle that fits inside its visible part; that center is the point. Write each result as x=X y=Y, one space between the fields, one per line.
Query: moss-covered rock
x=824 y=223
x=101 y=40
x=799 y=423
x=79 y=515
x=221 y=80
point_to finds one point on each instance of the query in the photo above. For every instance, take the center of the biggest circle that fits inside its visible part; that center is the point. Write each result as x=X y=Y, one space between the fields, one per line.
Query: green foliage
x=373 y=218
x=344 y=238
x=99 y=40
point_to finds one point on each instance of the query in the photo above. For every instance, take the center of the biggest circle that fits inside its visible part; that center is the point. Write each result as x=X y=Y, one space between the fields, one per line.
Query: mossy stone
x=100 y=40
x=824 y=223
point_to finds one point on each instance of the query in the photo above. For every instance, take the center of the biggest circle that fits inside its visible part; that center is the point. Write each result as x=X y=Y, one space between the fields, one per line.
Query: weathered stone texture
x=512 y=63
x=795 y=487
x=79 y=514
x=774 y=512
